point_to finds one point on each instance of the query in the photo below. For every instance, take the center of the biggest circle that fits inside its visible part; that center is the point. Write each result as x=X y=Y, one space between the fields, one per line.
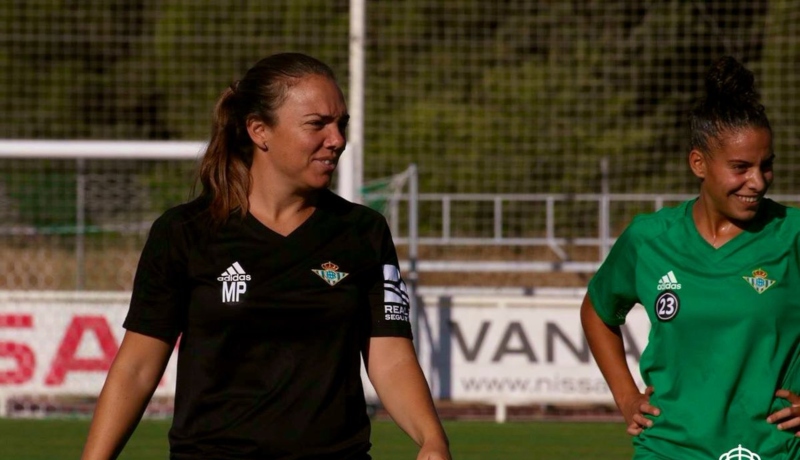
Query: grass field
x=63 y=439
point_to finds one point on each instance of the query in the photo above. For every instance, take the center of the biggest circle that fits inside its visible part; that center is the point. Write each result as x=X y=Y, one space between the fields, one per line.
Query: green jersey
x=725 y=330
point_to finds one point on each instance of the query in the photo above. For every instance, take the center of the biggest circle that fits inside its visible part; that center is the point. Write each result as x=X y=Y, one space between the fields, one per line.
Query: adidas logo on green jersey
x=668 y=281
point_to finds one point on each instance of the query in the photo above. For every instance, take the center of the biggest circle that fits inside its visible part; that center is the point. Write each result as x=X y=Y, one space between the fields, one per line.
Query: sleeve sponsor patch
x=395 y=295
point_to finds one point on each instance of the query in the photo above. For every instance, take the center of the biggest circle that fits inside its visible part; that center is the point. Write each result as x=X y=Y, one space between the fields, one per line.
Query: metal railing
x=602 y=238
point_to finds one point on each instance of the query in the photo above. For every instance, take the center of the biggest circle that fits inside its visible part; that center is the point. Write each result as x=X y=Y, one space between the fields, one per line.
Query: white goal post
x=105 y=150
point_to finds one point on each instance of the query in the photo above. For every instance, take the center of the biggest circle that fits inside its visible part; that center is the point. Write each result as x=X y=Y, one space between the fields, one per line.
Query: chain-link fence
x=487 y=97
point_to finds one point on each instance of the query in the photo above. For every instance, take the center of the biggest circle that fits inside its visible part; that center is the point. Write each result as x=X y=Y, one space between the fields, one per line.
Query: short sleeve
x=612 y=290
x=159 y=294
x=388 y=296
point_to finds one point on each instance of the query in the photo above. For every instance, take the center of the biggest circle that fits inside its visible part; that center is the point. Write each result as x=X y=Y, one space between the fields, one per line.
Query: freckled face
x=737 y=173
x=309 y=136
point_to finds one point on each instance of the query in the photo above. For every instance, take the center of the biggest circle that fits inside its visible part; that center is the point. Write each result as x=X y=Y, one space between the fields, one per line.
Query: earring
x=265 y=147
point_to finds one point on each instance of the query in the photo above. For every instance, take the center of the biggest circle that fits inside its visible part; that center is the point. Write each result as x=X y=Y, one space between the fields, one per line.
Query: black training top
x=272 y=328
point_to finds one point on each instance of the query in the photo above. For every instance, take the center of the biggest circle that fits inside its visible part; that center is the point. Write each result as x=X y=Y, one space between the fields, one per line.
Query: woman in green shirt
x=718 y=277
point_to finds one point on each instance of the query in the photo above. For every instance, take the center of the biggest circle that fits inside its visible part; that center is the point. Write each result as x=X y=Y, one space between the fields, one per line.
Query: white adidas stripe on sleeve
x=394 y=288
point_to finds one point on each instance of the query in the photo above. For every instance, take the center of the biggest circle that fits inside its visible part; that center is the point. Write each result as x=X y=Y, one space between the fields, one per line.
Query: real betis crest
x=759 y=280
x=329 y=273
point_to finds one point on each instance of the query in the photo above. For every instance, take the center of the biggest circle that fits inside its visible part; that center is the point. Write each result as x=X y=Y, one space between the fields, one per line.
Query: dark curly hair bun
x=731 y=102
x=729 y=79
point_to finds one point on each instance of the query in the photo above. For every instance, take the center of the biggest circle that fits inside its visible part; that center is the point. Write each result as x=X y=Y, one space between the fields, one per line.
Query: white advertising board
x=518 y=349
x=534 y=354
x=62 y=343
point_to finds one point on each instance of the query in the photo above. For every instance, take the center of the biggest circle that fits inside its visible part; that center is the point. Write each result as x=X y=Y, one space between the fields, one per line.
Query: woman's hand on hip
x=787 y=418
x=634 y=410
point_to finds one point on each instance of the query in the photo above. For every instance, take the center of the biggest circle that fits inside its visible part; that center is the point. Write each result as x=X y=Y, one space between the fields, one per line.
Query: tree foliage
x=501 y=96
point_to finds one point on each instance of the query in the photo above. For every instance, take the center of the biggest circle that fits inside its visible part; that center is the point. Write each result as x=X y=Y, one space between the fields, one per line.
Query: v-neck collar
x=262 y=229
x=734 y=244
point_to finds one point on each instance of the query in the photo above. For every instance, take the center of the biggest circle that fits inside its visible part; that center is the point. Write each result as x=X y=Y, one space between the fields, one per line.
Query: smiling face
x=736 y=173
x=304 y=145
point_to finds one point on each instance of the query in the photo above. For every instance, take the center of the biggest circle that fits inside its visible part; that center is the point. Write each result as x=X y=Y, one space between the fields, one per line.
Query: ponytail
x=225 y=168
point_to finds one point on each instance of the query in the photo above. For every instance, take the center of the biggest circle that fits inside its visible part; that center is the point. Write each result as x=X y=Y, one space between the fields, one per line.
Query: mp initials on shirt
x=234 y=283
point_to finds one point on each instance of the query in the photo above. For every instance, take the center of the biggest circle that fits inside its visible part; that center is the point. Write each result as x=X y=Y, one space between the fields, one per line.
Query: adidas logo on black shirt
x=234 y=283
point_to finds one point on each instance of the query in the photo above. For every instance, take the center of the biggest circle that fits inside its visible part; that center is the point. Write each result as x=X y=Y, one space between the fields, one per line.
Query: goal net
x=522 y=97
x=69 y=268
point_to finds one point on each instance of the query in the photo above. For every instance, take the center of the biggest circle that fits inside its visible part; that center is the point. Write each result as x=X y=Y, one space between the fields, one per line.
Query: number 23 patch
x=667 y=305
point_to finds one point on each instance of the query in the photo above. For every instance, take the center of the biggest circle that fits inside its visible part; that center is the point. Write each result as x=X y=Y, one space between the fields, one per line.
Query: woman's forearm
x=608 y=350
x=130 y=383
x=395 y=373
